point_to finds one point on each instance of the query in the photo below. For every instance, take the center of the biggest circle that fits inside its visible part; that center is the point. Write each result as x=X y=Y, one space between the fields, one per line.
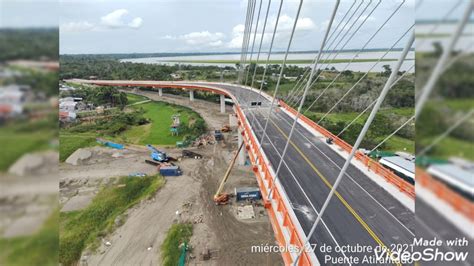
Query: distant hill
x=144 y=55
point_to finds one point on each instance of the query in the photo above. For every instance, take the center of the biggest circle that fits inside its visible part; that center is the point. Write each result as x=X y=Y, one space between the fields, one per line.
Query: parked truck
x=244 y=193
x=172 y=170
x=218 y=135
x=191 y=154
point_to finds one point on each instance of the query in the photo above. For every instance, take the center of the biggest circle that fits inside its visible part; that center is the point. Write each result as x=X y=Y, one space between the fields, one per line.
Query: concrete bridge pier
x=160 y=92
x=241 y=157
x=191 y=95
x=222 y=104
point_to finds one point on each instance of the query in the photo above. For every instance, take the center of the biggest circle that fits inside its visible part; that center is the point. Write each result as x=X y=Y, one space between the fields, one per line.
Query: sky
x=29 y=13
x=159 y=26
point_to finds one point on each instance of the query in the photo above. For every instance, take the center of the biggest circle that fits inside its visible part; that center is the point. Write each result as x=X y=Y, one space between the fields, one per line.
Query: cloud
x=114 y=19
x=366 y=19
x=217 y=39
x=216 y=43
x=200 y=38
x=136 y=23
x=76 y=26
x=169 y=37
x=117 y=19
x=237 y=36
x=285 y=25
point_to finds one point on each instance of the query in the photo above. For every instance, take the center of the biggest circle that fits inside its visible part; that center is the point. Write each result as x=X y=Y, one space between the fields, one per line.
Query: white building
x=12 y=98
x=67 y=106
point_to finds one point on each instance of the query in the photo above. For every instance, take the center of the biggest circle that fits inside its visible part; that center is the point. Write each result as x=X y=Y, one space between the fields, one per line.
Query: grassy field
x=70 y=142
x=290 y=61
x=38 y=249
x=158 y=131
x=459 y=104
x=82 y=229
x=177 y=234
x=18 y=139
x=449 y=147
x=133 y=98
x=349 y=116
x=395 y=143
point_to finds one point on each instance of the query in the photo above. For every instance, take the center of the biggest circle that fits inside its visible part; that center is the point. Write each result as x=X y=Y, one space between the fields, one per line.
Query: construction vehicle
x=170 y=170
x=166 y=168
x=191 y=154
x=221 y=198
x=156 y=154
x=154 y=163
x=226 y=128
x=218 y=135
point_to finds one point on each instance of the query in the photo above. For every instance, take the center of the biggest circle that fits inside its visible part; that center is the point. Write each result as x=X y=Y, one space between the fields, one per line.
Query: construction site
x=209 y=184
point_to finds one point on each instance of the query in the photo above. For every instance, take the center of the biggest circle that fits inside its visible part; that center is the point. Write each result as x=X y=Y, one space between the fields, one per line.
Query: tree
x=387 y=70
x=438 y=49
x=348 y=74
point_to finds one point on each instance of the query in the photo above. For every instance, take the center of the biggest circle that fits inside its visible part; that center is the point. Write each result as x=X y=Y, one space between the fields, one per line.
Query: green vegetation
x=158 y=131
x=451 y=98
x=20 y=137
x=83 y=66
x=398 y=105
x=396 y=143
x=449 y=147
x=290 y=61
x=82 y=229
x=386 y=121
x=31 y=44
x=177 y=234
x=84 y=134
x=100 y=96
x=70 y=142
x=147 y=123
x=134 y=98
x=110 y=124
x=460 y=104
x=38 y=249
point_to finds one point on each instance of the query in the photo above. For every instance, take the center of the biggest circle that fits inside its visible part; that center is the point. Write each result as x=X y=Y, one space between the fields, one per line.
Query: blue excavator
x=157 y=155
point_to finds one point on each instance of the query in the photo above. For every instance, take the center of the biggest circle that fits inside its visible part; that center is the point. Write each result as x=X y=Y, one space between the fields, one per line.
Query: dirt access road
x=217 y=228
x=207 y=110
x=138 y=240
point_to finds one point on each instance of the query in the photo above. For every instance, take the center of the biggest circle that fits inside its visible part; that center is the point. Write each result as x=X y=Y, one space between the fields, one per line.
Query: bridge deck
x=360 y=213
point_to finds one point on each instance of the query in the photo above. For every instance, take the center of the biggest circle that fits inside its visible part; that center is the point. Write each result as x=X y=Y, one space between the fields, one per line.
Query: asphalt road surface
x=431 y=224
x=360 y=214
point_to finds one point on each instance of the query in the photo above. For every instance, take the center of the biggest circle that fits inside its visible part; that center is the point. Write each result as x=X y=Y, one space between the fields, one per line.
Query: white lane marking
x=301 y=188
x=351 y=178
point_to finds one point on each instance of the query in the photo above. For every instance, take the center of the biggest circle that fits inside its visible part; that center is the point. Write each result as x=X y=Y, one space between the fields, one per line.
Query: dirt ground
x=27 y=200
x=187 y=198
x=233 y=237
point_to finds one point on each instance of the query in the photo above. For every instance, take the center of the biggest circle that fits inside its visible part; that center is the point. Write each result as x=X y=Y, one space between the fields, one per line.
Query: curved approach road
x=361 y=213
